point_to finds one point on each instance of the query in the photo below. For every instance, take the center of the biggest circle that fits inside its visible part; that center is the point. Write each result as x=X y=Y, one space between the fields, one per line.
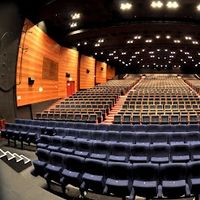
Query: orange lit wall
x=101 y=72
x=68 y=64
x=87 y=79
x=110 y=72
x=38 y=45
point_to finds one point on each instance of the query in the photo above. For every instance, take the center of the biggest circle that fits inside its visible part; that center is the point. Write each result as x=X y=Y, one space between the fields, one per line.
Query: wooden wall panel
x=87 y=79
x=110 y=72
x=68 y=64
x=101 y=71
x=36 y=46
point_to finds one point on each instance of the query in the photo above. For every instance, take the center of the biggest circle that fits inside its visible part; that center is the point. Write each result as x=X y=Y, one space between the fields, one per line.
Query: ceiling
x=141 y=37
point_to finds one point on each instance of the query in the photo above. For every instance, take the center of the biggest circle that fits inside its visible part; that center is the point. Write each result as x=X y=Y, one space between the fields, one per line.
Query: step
x=16 y=162
x=2 y=154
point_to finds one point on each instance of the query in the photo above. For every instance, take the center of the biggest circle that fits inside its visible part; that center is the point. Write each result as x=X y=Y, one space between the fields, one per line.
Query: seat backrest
x=193 y=169
x=159 y=137
x=160 y=150
x=120 y=149
x=56 y=158
x=173 y=171
x=73 y=163
x=43 y=154
x=95 y=167
x=145 y=172
x=117 y=170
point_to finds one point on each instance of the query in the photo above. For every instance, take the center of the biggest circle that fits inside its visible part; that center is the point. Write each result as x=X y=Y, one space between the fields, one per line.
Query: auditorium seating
x=90 y=105
x=160 y=100
x=150 y=180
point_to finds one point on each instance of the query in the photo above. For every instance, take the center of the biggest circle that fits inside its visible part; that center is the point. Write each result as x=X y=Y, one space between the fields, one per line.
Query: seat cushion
x=159 y=159
x=117 y=158
x=138 y=158
x=98 y=156
x=182 y=158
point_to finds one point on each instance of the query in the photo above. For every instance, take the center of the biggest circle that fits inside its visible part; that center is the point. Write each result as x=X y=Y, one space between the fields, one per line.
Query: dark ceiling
x=142 y=37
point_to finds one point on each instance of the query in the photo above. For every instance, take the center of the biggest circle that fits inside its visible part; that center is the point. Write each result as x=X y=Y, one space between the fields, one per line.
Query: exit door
x=70 y=88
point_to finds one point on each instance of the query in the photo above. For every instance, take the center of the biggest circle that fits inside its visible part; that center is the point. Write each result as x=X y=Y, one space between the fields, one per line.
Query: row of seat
x=147 y=104
x=122 y=151
x=151 y=118
x=111 y=127
x=119 y=179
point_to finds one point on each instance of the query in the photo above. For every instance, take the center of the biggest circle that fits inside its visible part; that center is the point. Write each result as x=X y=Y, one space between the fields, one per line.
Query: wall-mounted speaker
x=87 y=71
x=67 y=75
x=30 y=81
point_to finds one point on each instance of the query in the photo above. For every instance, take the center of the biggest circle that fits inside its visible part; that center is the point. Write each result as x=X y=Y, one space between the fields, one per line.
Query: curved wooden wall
x=34 y=46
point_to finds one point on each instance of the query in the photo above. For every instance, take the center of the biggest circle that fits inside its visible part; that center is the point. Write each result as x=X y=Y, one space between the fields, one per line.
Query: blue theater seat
x=194 y=177
x=118 y=179
x=119 y=152
x=54 y=168
x=180 y=153
x=145 y=179
x=94 y=176
x=160 y=153
x=173 y=180
x=43 y=159
x=139 y=153
x=72 y=174
x=68 y=145
x=101 y=150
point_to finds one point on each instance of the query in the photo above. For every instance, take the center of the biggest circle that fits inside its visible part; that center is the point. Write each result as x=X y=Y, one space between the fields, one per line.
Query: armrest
x=160 y=193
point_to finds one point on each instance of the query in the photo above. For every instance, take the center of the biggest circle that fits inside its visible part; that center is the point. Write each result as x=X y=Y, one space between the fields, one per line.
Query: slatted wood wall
x=110 y=72
x=68 y=64
x=38 y=45
x=101 y=72
x=87 y=79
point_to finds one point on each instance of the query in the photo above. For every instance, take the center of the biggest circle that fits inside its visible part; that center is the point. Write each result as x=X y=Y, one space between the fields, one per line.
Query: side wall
x=101 y=72
x=11 y=23
x=87 y=72
x=110 y=72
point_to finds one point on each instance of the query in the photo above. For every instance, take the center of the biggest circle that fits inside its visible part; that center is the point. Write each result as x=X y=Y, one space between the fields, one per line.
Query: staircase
x=116 y=108
x=15 y=161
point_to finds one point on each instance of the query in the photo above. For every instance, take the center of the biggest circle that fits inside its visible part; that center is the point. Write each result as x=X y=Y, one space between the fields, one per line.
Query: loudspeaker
x=30 y=81
x=87 y=71
x=101 y=68
x=67 y=75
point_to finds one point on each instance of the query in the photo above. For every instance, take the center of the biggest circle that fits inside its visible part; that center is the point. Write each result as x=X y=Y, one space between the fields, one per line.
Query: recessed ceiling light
x=123 y=53
x=114 y=51
x=73 y=24
x=75 y=16
x=97 y=45
x=116 y=57
x=198 y=7
x=78 y=44
x=188 y=37
x=137 y=37
x=101 y=40
x=101 y=53
x=156 y=4
x=172 y=5
x=125 y=6
x=129 y=41
x=85 y=43
x=148 y=41
x=151 y=52
x=177 y=41
x=157 y=36
x=107 y=59
x=143 y=50
x=158 y=49
x=168 y=37
x=95 y=53
x=195 y=42
x=110 y=54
